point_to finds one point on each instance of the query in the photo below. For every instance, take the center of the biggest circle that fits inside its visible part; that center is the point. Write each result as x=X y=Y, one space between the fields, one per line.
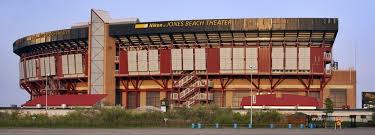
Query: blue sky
x=24 y=17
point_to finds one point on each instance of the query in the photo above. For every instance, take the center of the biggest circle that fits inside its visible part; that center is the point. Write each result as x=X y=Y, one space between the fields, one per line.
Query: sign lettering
x=187 y=23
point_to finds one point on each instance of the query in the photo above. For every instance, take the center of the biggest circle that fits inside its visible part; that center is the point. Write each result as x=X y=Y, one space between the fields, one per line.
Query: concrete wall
x=344 y=79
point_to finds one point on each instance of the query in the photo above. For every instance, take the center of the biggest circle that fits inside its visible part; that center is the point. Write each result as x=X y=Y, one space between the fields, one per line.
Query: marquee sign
x=185 y=23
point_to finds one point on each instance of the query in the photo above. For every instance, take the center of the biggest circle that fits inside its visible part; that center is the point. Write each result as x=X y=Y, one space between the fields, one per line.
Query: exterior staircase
x=185 y=80
x=197 y=97
x=190 y=86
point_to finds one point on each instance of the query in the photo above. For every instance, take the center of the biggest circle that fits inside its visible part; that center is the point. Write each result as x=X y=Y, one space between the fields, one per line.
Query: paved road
x=185 y=131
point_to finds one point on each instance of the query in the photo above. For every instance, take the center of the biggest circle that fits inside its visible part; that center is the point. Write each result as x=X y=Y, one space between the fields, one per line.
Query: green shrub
x=268 y=117
x=222 y=116
x=120 y=118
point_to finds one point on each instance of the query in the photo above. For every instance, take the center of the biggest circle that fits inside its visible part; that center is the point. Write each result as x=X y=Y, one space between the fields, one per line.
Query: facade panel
x=291 y=58
x=213 y=60
x=277 y=58
x=123 y=63
x=142 y=61
x=20 y=70
x=316 y=59
x=165 y=61
x=132 y=61
x=78 y=63
x=33 y=63
x=176 y=59
x=264 y=60
x=52 y=64
x=187 y=59
x=71 y=64
x=200 y=59
x=153 y=60
x=37 y=68
x=24 y=69
x=47 y=66
x=42 y=66
x=238 y=59
x=65 y=65
x=304 y=58
x=251 y=59
x=225 y=59
x=31 y=68
x=28 y=71
x=24 y=64
x=20 y=67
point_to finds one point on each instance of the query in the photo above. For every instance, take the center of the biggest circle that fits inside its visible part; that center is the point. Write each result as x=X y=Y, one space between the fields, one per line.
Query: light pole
x=47 y=91
x=251 y=95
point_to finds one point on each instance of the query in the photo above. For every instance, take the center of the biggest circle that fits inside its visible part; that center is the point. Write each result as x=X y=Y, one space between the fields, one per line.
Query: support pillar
x=142 y=98
x=228 y=98
x=101 y=75
x=163 y=94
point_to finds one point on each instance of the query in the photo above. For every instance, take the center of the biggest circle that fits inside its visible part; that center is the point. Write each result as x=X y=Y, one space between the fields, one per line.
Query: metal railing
x=182 y=82
x=327 y=56
x=193 y=87
x=193 y=100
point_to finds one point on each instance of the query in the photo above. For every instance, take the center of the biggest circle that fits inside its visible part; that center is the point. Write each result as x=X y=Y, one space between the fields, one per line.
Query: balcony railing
x=327 y=57
x=185 y=80
x=200 y=96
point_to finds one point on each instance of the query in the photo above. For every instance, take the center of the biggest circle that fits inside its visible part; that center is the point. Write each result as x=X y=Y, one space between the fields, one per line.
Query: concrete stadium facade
x=187 y=62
